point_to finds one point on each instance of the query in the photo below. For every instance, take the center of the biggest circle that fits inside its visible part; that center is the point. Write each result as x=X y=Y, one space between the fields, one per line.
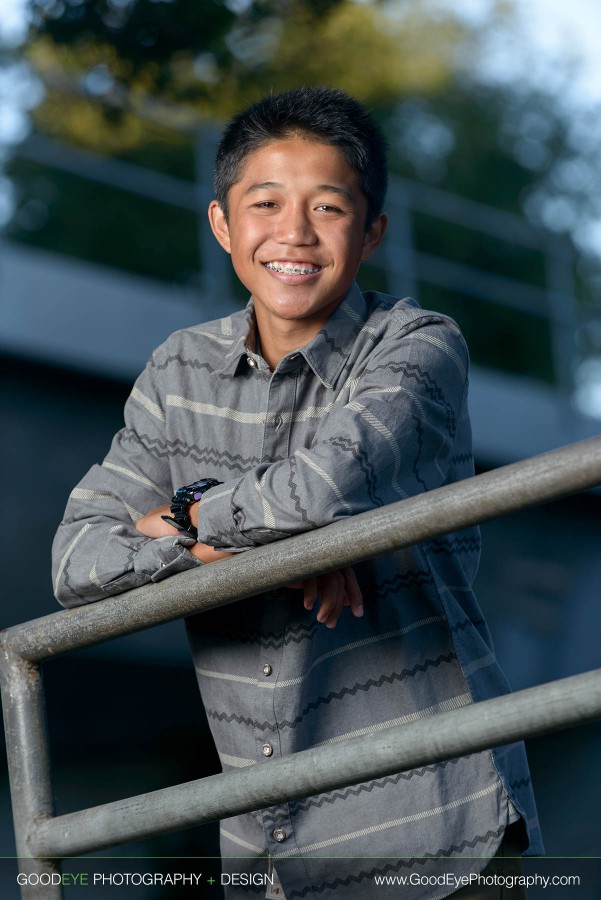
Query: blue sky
x=544 y=37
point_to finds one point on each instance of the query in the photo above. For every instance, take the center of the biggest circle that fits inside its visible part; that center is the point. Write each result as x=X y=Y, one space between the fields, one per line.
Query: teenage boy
x=314 y=403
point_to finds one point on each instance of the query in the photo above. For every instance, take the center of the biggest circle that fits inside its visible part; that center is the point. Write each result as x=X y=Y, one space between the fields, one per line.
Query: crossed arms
x=394 y=427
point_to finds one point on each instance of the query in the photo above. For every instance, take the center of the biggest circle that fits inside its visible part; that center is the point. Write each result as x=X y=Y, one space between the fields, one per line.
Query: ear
x=219 y=225
x=374 y=235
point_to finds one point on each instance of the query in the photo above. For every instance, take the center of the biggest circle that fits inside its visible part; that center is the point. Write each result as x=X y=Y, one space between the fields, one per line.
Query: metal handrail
x=498 y=492
x=446 y=735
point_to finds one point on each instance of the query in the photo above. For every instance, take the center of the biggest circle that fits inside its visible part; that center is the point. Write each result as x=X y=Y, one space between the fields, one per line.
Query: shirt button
x=279 y=835
x=251 y=362
x=267 y=670
x=278 y=422
x=267 y=749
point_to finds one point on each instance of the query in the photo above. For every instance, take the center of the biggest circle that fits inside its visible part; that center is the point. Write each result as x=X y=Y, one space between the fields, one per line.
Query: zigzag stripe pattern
x=412 y=578
x=333 y=695
x=410 y=863
x=363 y=679
x=466 y=623
x=191 y=363
x=457 y=544
x=273 y=816
x=269 y=640
x=358 y=453
x=297 y=806
x=206 y=455
x=445 y=348
x=420 y=444
x=228 y=538
x=461 y=458
x=334 y=348
x=415 y=371
x=295 y=496
x=67 y=582
x=521 y=783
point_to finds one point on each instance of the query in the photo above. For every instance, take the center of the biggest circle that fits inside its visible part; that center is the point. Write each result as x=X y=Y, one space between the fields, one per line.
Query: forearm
x=332 y=591
x=158 y=524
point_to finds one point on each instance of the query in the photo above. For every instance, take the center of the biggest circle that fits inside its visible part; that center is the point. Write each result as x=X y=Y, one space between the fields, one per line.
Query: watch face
x=190 y=493
x=199 y=487
x=181 y=501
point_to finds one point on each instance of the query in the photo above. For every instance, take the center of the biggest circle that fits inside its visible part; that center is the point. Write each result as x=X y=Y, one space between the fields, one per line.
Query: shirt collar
x=326 y=354
x=329 y=350
x=243 y=340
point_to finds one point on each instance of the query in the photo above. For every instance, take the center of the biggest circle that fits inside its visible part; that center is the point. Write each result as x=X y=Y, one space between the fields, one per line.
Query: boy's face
x=296 y=232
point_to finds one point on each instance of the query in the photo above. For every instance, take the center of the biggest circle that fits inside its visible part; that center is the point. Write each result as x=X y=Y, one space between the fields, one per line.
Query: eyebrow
x=263 y=185
x=277 y=185
x=335 y=189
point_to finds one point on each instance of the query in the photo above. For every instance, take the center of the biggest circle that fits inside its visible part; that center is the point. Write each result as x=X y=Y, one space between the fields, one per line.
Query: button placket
x=281 y=405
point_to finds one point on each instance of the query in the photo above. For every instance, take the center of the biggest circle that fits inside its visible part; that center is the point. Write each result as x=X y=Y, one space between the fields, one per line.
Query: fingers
x=310 y=592
x=334 y=591
x=331 y=592
x=352 y=593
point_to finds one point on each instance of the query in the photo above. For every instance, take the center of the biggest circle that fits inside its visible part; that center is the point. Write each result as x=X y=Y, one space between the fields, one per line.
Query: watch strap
x=181 y=502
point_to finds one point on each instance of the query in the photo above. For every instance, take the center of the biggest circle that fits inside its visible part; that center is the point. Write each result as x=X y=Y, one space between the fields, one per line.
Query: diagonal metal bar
x=499 y=492
x=447 y=735
x=527 y=713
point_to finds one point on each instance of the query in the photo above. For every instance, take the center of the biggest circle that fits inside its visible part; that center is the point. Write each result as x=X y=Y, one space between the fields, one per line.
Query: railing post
x=28 y=767
x=562 y=312
x=449 y=508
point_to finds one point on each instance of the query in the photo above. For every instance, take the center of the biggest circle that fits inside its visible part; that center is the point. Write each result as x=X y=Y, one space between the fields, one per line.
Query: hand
x=153 y=526
x=335 y=591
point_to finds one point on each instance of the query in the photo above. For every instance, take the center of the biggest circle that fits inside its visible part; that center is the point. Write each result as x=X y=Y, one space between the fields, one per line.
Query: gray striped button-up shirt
x=372 y=410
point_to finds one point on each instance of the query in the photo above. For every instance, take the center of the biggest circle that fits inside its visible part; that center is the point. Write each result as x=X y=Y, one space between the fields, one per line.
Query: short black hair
x=323 y=114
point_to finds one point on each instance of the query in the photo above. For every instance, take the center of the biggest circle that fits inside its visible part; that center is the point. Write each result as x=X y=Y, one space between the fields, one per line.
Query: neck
x=273 y=350
x=277 y=341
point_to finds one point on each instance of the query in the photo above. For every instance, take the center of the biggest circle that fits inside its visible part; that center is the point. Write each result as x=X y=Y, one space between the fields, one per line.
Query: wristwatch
x=181 y=502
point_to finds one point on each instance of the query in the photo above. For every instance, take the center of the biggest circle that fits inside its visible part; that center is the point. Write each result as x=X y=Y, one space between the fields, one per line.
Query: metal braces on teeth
x=293 y=270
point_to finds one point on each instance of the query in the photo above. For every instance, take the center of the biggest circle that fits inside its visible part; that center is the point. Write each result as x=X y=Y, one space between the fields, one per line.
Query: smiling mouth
x=292 y=268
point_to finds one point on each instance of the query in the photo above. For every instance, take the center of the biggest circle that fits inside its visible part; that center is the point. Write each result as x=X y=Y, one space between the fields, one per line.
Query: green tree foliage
x=137 y=78
x=115 y=70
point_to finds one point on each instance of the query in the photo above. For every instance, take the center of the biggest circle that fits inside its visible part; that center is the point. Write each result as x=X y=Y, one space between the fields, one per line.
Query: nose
x=294 y=226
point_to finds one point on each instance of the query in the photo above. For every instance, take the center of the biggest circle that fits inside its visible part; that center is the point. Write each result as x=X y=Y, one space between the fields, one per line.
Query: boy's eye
x=327 y=207
x=265 y=204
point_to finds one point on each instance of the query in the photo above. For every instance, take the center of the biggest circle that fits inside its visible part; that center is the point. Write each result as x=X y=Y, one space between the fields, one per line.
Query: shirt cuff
x=220 y=522
x=166 y=556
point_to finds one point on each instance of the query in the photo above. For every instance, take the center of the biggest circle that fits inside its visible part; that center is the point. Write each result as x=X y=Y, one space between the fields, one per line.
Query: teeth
x=290 y=269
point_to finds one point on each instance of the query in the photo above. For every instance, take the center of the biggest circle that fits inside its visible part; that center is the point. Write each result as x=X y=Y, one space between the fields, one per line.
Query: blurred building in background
x=107 y=250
